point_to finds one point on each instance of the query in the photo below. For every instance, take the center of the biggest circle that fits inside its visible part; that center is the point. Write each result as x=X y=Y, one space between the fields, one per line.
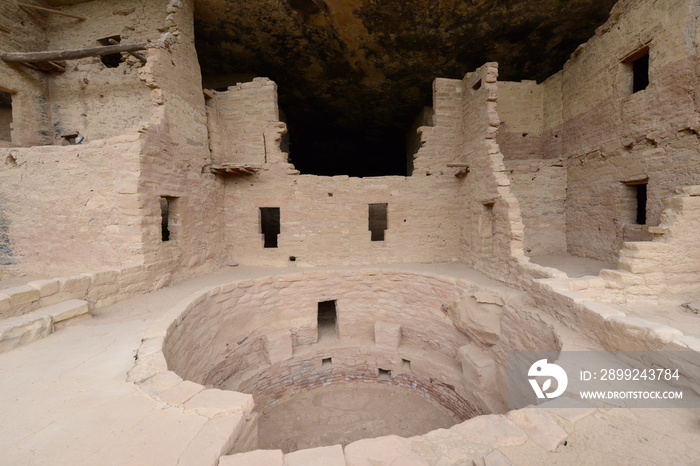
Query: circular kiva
x=444 y=339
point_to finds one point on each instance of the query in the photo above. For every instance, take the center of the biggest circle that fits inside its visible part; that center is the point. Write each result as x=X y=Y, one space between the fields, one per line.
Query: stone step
x=21 y=330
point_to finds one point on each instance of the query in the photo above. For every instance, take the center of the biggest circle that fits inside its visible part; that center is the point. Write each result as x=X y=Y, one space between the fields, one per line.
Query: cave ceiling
x=366 y=66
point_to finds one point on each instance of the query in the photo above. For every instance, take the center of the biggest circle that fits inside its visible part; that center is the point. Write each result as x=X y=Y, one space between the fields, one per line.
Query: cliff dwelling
x=349 y=232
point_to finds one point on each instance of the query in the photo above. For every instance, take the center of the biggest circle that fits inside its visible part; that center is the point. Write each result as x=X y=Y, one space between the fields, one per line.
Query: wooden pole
x=38 y=57
x=135 y=55
x=50 y=11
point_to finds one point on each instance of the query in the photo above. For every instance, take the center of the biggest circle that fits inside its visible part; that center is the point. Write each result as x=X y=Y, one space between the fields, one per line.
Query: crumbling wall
x=325 y=220
x=492 y=230
x=24 y=31
x=98 y=204
x=90 y=97
x=610 y=135
x=237 y=119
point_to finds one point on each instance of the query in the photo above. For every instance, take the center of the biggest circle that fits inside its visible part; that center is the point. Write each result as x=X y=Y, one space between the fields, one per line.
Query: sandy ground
x=342 y=414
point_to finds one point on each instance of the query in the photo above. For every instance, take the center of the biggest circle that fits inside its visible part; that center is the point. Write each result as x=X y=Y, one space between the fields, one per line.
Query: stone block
x=161 y=382
x=478 y=366
x=278 y=345
x=321 y=456
x=24 y=329
x=22 y=296
x=387 y=335
x=180 y=393
x=45 y=287
x=66 y=309
x=539 y=426
x=494 y=430
x=388 y=450
x=494 y=458
x=5 y=306
x=75 y=285
x=256 y=458
x=480 y=321
x=214 y=402
x=214 y=439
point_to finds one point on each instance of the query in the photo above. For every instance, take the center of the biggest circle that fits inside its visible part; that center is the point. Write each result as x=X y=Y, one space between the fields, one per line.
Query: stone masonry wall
x=96 y=100
x=65 y=208
x=237 y=119
x=24 y=31
x=610 y=136
x=325 y=220
x=540 y=187
x=493 y=240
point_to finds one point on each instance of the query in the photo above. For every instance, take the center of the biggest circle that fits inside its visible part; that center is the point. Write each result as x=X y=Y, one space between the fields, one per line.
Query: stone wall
x=492 y=233
x=611 y=136
x=540 y=187
x=325 y=220
x=25 y=31
x=65 y=208
x=237 y=119
x=448 y=340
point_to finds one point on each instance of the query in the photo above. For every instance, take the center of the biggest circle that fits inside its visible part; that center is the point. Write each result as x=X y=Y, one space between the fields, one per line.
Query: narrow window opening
x=406 y=364
x=487 y=226
x=383 y=374
x=292 y=259
x=169 y=218
x=477 y=85
x=640 y=68
x=641 y=204
x=378 y=221
x=634 y=202
x=636 y=67
x=270 y=225
x=327 y=320
x=326 y=363
x=5 y=116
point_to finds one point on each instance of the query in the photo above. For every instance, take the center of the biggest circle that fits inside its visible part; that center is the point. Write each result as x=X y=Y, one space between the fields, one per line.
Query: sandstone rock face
x=481 y=321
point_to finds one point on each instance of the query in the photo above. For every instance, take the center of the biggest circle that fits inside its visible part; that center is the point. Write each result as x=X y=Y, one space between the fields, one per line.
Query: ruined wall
x=539 y=184
x=175 y=156
x=237 y=119
x=610 y=136
x=90 y=97
x=24 y=31
x=325 y=220
x=540 y=187
x=109 y=190
x=492 y=230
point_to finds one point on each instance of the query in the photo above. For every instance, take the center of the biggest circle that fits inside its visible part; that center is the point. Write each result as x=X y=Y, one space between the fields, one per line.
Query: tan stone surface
x=257 y=458
x=322 y=456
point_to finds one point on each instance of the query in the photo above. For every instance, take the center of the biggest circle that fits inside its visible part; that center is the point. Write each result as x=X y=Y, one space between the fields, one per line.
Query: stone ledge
x=26 y=328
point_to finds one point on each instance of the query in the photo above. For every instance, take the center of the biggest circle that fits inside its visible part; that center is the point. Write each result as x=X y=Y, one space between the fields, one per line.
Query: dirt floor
x=343 y=414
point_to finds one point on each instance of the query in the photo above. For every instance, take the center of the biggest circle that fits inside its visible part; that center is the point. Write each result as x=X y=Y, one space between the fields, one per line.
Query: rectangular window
x=634 y=202
x=5 y=116
x=378 y=221
x=169 y=219
x=270 y=225
x=384 y=374
x=327 y=320
x=636 y=70
x=486 y=227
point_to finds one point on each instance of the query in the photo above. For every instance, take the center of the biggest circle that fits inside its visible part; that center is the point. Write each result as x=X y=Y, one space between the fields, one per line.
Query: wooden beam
x=458 y=165
x=50 y=11
x=135 y=55
x=57 y=55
